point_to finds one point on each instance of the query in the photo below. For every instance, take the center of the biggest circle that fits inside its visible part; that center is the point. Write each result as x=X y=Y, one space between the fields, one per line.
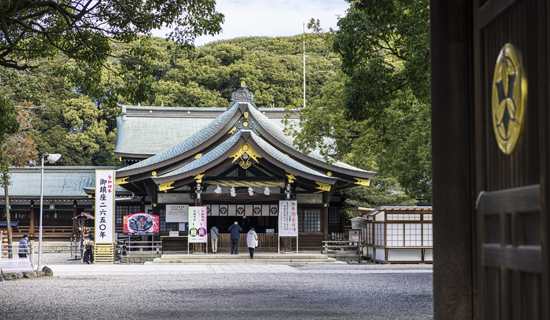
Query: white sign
x=104 y=206
x=269 y=230
x=288 y=219
x=174 y=234
x=177 y=213
x=197 y=225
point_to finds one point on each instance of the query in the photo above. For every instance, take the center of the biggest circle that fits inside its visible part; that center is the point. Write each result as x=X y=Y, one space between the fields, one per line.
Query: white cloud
x=244 y=18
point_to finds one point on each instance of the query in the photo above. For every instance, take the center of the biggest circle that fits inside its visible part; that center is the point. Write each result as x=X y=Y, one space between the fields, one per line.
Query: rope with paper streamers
x=245 y=183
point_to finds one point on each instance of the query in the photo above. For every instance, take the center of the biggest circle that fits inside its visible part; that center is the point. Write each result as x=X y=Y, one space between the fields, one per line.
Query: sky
x=244 y=18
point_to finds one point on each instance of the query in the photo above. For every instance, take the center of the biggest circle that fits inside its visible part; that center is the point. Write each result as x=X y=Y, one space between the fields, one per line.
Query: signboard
x=269 y=230
x=104 y=206
x=288 y=219
x=197 y=225
x=141 y=224
x=177 y=213
x=354 y=235
x=174 y=234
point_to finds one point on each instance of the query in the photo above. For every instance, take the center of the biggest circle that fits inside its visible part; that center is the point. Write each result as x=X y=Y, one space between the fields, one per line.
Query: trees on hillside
x=377 y=111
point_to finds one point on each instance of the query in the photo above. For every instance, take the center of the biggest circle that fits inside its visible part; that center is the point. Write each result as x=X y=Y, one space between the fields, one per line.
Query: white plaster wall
x=368 y=252
x=429 y=255
x=380 y=254
x=405 y=255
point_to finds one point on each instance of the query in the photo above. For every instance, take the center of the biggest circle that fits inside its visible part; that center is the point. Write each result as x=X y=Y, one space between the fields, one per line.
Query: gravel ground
x=64 y=259
x=220 y=296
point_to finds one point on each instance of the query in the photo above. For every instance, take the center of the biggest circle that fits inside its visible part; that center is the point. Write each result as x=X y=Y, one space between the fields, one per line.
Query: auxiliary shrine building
x=236 y=161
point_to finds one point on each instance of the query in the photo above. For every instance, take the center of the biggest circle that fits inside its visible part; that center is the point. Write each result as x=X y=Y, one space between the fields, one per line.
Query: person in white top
x=251 y=241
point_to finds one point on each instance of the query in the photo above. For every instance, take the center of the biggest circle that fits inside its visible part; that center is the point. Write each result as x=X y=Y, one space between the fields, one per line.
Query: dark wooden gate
x=491 y=209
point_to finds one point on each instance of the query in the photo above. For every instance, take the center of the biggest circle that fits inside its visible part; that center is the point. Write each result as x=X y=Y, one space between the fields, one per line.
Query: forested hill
x=79 y=121
x=279 y=45
x=271 y=68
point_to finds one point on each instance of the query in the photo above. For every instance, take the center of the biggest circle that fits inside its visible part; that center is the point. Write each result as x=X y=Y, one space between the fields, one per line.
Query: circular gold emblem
x=509 y=98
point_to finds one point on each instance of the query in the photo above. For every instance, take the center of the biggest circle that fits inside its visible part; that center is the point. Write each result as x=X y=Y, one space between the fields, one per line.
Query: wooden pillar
x=454 y=267
x=31 y=220
x=75 y=213
x=142 y=205
x=198 y=246
x=324 y=221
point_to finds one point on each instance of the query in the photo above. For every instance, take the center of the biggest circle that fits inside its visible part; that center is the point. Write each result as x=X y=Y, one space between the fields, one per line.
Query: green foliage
x=75 y=128
x=384 y=47
x=270 y=67
x=376 y=113
x=83 y=33
x=383 y=191
x=8 y=126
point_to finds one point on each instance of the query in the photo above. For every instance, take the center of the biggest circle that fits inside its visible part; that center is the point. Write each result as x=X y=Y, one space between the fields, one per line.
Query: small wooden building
x=398 y=234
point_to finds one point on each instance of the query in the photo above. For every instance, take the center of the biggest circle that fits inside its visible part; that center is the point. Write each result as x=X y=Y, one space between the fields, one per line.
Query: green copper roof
x=59 y=181
x=143 y=132
x=278 y=133
x=283 y=158
x=208 y=157
x=191 y=142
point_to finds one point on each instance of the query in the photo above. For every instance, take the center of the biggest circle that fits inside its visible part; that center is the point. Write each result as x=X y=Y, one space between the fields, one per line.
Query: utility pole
x=304 y=37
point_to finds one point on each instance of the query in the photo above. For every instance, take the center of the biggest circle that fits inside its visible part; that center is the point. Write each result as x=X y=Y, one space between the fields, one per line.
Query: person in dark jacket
x=24 y=246
x=89 y=253
x=235 y=230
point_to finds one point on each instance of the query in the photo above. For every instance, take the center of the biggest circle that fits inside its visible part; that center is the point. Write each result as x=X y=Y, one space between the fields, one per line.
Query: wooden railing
x=266 y=240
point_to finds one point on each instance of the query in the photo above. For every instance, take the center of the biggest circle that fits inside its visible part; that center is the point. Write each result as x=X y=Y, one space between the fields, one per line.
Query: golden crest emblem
x=509 y=99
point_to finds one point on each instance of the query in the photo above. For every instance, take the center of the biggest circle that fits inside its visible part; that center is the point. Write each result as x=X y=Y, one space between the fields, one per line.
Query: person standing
x=251 y=241
x=89 y=254
x=24 y=246
x=235 y=230
x=214 y=238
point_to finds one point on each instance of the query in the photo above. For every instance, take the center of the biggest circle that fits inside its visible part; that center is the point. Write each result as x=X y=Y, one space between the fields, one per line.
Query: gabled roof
x=208 y=150
x=143 y=132
x=219 y=125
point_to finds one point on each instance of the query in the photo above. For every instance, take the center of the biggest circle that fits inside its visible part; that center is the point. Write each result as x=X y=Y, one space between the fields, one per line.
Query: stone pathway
x=96 y=269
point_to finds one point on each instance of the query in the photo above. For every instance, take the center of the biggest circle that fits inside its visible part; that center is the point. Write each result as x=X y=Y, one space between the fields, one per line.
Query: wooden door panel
x=512 y=218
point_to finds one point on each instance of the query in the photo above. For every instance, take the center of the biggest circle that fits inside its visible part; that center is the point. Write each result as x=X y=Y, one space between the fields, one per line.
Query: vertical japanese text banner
x=288 y=219
x=197 y=225
x=104 y=206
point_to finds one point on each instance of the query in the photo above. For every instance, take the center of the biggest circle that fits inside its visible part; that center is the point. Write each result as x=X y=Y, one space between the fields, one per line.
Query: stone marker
x=48 y=271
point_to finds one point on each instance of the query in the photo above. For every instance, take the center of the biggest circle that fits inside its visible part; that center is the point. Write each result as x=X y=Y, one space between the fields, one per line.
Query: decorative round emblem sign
x=509 y=99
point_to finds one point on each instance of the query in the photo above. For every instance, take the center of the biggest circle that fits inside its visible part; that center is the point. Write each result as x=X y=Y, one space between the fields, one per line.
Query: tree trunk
x=8 y=220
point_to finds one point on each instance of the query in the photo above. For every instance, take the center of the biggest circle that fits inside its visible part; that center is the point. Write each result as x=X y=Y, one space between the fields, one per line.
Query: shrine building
x=236 y=161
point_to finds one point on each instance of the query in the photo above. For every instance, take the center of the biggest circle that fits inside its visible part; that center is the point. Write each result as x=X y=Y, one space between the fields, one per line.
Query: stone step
x=242 y=256
x=225 y=258
x=240 y=261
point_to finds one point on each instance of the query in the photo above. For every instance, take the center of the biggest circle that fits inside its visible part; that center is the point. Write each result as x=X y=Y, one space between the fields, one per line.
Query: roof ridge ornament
x=242 y=95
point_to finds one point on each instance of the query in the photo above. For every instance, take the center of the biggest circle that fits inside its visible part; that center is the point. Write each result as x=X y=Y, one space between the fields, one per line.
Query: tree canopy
x=83 y=30
x=375 y=112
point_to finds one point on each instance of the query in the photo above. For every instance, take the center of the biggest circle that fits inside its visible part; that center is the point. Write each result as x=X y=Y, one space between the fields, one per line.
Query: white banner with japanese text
x=104 y=206
x=197 y=225
x=177 y=213
x=288 y=219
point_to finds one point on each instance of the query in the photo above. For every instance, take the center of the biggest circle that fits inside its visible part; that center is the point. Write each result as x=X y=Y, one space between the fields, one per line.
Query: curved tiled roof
x=189 y=143
x=207 y=158
x=281 y=157
x=276 y=132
